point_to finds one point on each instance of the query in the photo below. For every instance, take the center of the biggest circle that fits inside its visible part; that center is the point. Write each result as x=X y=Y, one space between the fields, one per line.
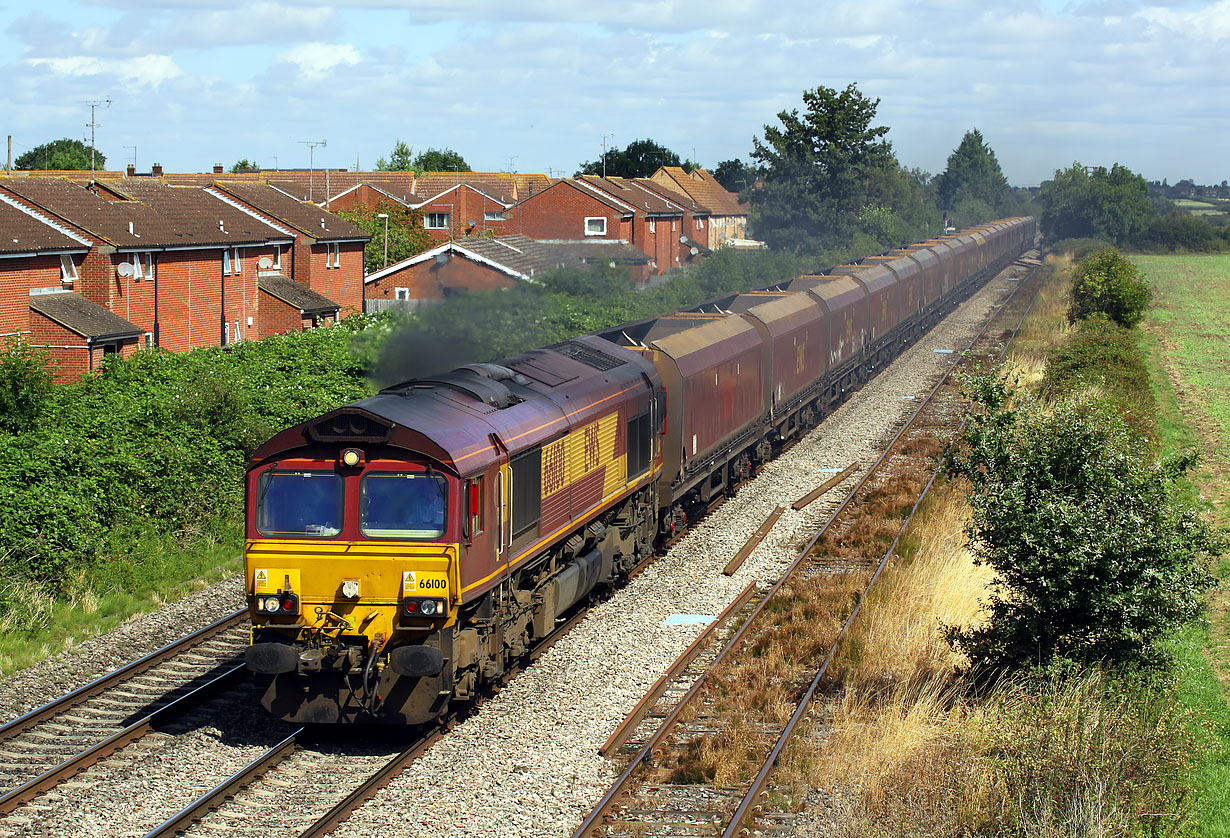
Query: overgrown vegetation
x=1066 y=733
x=1106 y=283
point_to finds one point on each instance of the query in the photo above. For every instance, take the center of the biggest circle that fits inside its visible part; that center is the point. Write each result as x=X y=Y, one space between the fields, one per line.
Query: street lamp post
x=385 y=216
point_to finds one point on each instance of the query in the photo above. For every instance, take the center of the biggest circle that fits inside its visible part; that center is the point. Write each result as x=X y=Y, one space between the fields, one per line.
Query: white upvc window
x=401 y=293
x=700 y=224
x=68 y=270
x=333 y=256
x=672 y=226
x=595 y=226
x=230 y=261
x=436 y=221
x=277 y=257
x=493 y=216
x=653 y=226
x=143 y=265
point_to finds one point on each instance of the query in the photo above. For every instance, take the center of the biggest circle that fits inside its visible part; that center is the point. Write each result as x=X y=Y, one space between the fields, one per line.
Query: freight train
x=404 y=551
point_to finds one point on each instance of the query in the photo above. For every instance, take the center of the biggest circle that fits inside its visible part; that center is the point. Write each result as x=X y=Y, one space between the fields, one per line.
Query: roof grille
x=595 y=358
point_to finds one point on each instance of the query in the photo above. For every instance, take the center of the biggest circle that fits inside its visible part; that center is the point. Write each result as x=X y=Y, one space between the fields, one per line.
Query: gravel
x=136 y=637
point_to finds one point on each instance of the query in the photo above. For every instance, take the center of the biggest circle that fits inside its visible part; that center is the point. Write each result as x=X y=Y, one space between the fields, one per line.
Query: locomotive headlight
x=272 y=605
x=352 y=457
x=429 y=607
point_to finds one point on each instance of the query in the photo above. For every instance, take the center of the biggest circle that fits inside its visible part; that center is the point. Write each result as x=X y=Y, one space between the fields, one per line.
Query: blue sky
x=534 y=85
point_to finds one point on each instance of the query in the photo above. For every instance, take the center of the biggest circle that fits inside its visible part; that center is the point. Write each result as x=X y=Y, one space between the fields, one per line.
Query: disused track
x=659 y=792
x=63 y=737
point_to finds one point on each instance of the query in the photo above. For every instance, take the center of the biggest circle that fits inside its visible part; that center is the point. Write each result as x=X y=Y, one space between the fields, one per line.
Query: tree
x=735 y=175
x=973 y=174
x=640 y=159
x=60 y=155
x=400 y=159
x=1080 y=202
x=1106 y=282
x=440 y=160
x=245 y=165
x=406 y=235
x=1096 y=556
x=815 y=167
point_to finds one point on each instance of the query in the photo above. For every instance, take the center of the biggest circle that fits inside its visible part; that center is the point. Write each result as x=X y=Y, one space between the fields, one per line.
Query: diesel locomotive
x=404 y=551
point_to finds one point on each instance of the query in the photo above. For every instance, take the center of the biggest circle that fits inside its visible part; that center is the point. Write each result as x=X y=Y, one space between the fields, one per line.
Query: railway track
x=707 y=703
x=265 y=792
x=52 y=743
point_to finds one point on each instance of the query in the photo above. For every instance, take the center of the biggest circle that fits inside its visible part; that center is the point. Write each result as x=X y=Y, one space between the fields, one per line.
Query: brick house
x=485 y=263
x=181 y=265
x=327 y=254
x=657 y=220
x=727 y=222
x=572 y=209
x=39 y=264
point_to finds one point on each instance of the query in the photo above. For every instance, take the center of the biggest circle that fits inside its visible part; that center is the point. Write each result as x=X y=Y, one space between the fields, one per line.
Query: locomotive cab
x=351 y=569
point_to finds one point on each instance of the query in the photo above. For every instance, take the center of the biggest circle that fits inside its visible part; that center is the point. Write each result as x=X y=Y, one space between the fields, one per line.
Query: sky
x=538 y=85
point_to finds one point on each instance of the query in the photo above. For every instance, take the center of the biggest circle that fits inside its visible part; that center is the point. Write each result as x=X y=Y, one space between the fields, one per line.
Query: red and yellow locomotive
x=405 y=550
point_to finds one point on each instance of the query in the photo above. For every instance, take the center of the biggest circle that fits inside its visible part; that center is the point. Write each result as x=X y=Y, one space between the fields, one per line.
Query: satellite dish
x=125 y=269
x=264 y=263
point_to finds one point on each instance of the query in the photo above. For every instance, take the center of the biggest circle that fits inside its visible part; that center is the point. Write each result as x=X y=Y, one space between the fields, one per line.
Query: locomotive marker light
x=350 y=588
x=352 y=457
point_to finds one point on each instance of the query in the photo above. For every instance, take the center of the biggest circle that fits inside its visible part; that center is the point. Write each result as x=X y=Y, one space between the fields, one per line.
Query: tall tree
x=245 y=165
x=1111 y=204
x=640 y=159
x=735 y=175
x=815 y=170
x=440 y=160
x=401 y=233
x=973 y=174
x=400 y=159
x=60 y=155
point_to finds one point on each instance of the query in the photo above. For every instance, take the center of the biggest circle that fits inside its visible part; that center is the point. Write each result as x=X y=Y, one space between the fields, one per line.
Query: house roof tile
x=296 y=295
x=630 y=192
x=304 y=217
x=29 y=231
x=704 y=188
x=197 y=213
x=76 y=313
x=119 y=223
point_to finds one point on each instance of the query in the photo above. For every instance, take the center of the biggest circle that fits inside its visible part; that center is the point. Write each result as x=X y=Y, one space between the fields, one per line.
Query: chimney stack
x=156 y=170
x=132 y=170
x=217 y=168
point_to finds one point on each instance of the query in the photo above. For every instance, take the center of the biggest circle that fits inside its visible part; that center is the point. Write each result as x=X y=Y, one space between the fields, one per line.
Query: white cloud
x=140 y=70
x=317 y=59
x=1211 y=23
x=262 y=22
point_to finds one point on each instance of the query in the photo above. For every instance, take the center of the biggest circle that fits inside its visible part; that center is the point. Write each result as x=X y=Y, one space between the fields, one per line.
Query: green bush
x=1095 y=553
x=1103 y=355
x=1106 y=282
x=25 y=384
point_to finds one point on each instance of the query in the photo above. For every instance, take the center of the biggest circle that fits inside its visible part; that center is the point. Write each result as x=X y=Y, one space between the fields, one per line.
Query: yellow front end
x=360 y=630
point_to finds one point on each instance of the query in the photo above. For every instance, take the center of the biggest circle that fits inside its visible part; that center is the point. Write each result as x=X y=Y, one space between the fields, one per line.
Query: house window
x=700 y=224
x=238 y=336
x=277 y=257
x=436 y=221
x=595 y=226
x=493 y=216
x=333 y=256
x=149 y=340
x=68 y=271
x=230 y=261
x=653 y=226
x=143 y=265
x=401 y=294
x=226 y=333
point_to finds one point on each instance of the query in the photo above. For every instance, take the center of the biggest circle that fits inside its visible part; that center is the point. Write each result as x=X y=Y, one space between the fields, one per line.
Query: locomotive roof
x=457 y=417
